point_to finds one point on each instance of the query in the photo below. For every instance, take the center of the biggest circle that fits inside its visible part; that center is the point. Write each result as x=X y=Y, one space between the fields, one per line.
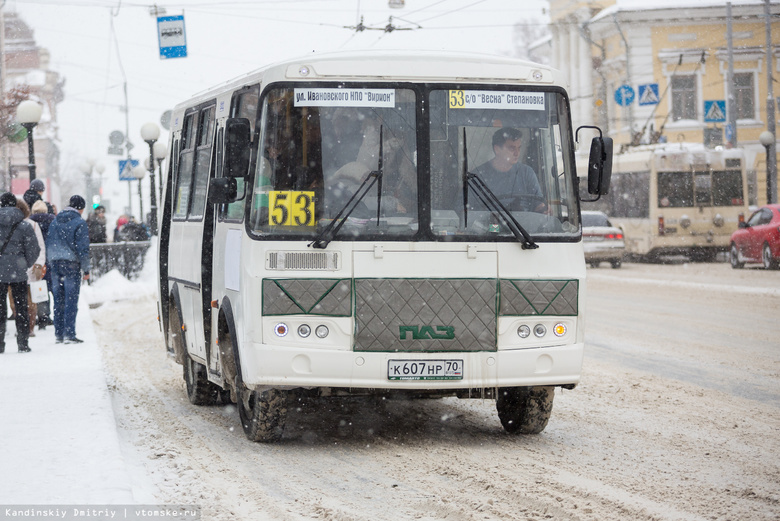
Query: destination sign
x=345 y=98
x=492 y=99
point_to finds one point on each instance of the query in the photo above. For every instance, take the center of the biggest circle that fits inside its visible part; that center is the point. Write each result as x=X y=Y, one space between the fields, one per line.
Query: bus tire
x=263 y=414
x=616 y=263
x=525 y=410
x=734 y=257
x=199 y=390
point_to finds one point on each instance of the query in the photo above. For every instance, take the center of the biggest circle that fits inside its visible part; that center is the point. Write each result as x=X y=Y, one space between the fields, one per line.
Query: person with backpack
x=67 y=251
x=19 y=250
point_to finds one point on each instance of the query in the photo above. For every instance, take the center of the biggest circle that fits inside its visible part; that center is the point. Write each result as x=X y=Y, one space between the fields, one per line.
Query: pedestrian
x=120 y=223
x=35 y=193
x=35 y=273
x=96 y=223
x=18 y=252
x=41 y=216
x=67 y=250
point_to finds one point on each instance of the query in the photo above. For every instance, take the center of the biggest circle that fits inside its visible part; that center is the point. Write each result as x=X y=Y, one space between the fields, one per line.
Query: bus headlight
x=540 y=330
x=322 y=331
x=281 y=329
x=523 y=331
x=685 y=221
x=560 y=329
x=718 y=220
x=304 y=330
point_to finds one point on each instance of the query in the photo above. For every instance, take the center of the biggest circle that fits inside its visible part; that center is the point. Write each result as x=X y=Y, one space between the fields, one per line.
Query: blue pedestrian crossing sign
x=648 y=94
x=171 y=36
x=715 y=111
x=624 y=95
x=126 y=169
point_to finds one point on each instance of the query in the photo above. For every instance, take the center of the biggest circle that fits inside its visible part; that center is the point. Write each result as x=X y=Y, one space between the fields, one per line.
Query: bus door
x=228 y=227
x=190 y=224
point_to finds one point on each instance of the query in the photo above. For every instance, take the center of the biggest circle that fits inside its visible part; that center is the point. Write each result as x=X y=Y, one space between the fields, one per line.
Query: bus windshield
x=351 y=154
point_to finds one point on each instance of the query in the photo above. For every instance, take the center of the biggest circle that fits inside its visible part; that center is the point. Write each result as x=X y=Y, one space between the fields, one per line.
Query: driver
x=506 y=176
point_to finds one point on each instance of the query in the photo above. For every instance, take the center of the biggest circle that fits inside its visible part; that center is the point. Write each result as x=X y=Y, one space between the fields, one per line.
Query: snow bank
x=114 y=286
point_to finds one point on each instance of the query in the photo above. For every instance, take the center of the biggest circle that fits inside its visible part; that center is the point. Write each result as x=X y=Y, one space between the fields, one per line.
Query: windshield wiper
x=491 y=202
x=329 y=232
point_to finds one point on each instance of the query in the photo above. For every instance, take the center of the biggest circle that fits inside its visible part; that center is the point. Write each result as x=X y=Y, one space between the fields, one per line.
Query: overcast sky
x=93 y=41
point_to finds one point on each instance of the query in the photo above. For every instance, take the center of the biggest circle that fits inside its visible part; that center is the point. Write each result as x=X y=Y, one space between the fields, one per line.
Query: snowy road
x=678 y=417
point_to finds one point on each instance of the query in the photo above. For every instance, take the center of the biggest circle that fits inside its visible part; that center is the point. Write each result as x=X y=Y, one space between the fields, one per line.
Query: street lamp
x=767 y=139
x=139 y=172
x=28 y=114
x=160 y=152
x=150 y=132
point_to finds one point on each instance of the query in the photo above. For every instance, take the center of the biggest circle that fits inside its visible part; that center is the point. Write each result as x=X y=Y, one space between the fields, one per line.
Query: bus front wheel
x=263 y=413
x=525 y=410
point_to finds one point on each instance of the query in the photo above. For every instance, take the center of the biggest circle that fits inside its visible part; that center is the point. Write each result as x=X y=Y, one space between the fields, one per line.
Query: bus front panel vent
x=302 y=260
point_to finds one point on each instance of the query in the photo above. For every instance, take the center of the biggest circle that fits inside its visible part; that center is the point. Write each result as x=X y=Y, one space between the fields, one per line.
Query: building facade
x=660 y=73
x=26 y=65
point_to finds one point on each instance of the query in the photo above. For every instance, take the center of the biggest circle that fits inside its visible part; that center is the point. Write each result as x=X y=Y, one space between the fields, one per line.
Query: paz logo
x=427 y=332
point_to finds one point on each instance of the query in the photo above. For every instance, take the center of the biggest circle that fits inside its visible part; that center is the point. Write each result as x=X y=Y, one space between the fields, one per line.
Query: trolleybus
x=326 y=230
x=677 y=199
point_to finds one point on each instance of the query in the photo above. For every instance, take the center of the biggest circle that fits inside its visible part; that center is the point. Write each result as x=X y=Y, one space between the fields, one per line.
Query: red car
x=758 y=240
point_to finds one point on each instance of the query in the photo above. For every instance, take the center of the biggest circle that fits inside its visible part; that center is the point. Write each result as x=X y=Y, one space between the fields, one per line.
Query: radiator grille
x=302 y=260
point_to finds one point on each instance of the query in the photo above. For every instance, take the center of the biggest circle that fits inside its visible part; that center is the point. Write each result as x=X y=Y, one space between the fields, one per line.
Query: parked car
x=758 y=239
x=602 y=241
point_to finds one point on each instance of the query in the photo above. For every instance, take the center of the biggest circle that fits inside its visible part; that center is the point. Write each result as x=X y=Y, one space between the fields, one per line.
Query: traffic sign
x=624 y=95
x=648 y=94
x=715 y=111
x=171 y=37
x=126 y=169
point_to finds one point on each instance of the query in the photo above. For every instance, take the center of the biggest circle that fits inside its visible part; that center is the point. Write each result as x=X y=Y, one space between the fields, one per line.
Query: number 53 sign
x=289 y=208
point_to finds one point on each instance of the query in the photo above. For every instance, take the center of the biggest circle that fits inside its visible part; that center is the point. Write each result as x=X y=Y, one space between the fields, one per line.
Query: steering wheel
x=527 y=203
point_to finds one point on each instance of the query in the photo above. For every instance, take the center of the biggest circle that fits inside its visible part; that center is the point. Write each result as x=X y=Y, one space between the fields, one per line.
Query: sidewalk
x=58 y=436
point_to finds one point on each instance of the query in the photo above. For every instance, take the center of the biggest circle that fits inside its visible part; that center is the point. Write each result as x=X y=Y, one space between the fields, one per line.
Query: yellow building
x=660 y=73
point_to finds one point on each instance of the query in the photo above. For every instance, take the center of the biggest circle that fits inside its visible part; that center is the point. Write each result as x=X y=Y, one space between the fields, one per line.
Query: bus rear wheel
x=263 y=414
x=525 y=410
x=199 y=390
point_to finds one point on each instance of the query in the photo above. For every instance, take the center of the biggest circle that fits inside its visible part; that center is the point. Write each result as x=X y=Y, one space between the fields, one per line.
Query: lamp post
x=150 y=132
x=28 y=114
x=139 y=172
x=160 y=152
x=767 y=139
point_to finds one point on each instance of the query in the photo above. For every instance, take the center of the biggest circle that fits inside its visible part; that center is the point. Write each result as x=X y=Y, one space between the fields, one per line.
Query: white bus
x=325 y=231
x=677 y=199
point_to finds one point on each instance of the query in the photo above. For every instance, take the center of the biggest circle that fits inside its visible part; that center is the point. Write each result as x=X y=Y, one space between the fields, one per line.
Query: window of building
x=744 y=95
x=684 y=102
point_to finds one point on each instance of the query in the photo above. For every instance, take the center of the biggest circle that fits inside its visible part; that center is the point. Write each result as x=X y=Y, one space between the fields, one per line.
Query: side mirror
x=742 y=224
x=599 y=165
x=223 y=190
x=238 y=138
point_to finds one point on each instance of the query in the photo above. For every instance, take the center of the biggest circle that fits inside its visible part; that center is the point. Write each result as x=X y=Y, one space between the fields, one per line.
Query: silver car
x=602 y=241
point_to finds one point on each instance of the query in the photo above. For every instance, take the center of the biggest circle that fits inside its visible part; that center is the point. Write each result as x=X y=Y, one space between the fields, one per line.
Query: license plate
x=425 y=370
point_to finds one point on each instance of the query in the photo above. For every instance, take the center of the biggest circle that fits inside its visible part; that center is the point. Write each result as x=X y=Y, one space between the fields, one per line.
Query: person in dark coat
x=67 y=251
x=96 y=223
x=19 y=251
x=35 y=193
x=43 y=218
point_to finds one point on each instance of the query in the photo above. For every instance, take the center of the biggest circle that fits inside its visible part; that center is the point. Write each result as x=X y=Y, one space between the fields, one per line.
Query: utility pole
x=731 y=108
x=771 y=149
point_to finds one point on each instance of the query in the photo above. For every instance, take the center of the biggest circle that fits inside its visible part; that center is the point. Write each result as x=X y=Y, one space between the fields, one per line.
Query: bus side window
x=184 y=167
x=202 y=162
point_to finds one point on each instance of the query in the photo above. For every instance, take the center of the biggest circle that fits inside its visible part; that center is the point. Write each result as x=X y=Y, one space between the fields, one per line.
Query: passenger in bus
x=514 y=183
x=399 y=172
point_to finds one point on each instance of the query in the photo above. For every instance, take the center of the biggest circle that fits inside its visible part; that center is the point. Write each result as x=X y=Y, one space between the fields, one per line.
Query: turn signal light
x=661 y=227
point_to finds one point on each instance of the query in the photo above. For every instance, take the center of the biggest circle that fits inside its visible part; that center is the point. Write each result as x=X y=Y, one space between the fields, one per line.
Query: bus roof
x=384 y=65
